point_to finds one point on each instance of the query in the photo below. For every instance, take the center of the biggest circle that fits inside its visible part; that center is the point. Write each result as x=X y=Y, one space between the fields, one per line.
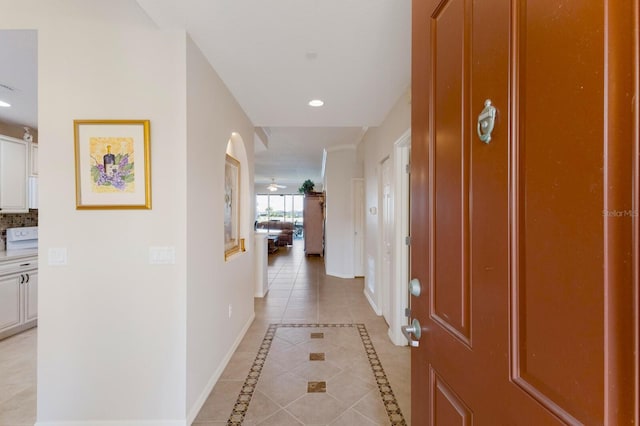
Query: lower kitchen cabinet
x=31 y=297
x=18 y=302
x=10 y=302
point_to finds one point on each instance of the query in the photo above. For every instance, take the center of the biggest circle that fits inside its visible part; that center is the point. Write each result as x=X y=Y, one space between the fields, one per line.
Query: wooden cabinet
x=13 y=175
x=314 y=224
x=18 y=296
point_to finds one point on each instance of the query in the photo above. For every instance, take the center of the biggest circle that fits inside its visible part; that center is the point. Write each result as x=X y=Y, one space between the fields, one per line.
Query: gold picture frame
x=231 y=206
x=113 y=168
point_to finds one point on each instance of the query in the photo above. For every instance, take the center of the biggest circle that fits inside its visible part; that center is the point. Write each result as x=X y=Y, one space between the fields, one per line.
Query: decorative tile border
x=388 y=398
x=246 y=393
x=244 y=398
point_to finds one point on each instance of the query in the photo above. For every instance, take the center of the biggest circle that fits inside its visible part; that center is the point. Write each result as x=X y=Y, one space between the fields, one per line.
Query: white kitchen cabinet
x=33 y=159
x=10 y=302
x=31 y=296
x=18 y=296
x=13 y=175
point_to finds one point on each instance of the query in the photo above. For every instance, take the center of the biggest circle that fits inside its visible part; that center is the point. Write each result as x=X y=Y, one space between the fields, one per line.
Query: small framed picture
x=113 y=169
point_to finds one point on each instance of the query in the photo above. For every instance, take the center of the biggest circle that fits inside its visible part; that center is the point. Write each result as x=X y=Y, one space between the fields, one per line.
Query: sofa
x=284 y=230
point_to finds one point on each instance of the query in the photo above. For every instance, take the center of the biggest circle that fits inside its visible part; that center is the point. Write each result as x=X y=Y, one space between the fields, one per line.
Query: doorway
x=357 y=189
x=394 y=244
x=386 y=246
x=402 y=239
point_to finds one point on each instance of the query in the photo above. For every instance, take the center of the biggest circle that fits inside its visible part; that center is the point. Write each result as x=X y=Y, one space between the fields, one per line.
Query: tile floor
x=294 y=389
x=300 y=293
x=18 y=379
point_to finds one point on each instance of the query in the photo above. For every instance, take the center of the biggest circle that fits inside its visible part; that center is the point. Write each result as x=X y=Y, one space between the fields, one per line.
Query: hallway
x=301 y=293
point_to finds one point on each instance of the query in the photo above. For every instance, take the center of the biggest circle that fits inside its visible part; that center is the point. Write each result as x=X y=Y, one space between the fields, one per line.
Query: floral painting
x=113 y=169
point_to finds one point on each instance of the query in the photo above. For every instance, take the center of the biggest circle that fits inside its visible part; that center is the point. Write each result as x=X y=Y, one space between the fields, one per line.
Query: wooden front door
x=526 y=247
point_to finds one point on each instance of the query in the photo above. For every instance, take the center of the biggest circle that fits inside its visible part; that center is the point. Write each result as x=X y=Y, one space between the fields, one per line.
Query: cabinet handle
x=21 y=279
x=25 y=264
x=27 y=282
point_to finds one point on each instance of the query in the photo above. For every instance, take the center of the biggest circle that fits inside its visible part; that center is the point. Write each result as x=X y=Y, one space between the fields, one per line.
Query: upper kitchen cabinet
x=33 y=155
x=14 y=166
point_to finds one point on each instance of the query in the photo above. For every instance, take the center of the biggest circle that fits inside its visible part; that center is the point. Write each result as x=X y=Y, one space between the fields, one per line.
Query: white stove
x=22 y=238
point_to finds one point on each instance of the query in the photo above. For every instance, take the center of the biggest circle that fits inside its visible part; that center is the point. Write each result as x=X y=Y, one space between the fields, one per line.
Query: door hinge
x=407 y=168
x=407 y=312
x=407 y=241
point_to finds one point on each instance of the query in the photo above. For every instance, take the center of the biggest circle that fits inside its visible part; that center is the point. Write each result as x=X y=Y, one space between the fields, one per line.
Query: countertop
x=17 y=254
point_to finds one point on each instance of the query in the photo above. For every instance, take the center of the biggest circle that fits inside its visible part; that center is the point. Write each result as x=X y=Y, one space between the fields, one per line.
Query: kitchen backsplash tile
x=17 y=220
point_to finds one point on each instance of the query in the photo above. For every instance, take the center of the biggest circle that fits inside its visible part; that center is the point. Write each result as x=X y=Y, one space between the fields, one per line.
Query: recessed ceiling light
x=316 y=103
x=4 y=104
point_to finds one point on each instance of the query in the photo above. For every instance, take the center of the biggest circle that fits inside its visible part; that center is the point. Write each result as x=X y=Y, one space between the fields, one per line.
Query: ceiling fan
x=273 y=186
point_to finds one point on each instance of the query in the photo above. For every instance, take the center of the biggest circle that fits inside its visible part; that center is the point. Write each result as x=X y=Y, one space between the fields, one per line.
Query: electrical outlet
x=230 y=310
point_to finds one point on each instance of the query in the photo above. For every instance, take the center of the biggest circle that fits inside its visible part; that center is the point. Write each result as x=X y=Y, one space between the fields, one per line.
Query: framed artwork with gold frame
x=113 y=169
x=231 y=206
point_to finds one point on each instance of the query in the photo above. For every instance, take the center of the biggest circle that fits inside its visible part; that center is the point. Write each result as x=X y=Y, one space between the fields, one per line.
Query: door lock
x=415 y=288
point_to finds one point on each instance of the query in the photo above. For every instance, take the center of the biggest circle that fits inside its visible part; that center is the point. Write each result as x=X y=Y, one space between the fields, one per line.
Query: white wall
x=340 y=168
x=121 y=341
x=376 y=145
x=213 y=116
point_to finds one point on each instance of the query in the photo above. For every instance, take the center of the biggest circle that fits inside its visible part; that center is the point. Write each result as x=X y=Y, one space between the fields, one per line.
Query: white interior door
x=387 y=239
x=358 y=225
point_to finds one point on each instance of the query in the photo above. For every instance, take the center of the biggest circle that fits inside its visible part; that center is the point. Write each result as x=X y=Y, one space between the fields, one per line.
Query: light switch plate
x=58 y=256
x=162 y=255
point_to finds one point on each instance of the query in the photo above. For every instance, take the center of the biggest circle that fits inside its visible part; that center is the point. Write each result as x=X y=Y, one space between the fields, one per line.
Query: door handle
x=486 y=121
x=414 y=328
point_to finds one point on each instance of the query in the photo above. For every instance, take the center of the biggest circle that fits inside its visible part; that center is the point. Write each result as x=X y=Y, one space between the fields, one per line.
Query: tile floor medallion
x=316 y=356
x=316 y=387
x=379 y=376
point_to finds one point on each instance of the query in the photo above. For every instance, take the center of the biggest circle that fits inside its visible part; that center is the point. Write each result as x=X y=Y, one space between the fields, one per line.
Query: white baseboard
x=334 y=274
x=375 y=308
x=197 y=406
x=116 y=423
x=262 y=294
x=397 y=337
x=194 y=410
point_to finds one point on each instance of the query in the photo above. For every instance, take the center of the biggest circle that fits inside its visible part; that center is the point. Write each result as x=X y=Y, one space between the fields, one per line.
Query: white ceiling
x=277 y=55
x=274 y=56
x=19 y=77
x=295 y=154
